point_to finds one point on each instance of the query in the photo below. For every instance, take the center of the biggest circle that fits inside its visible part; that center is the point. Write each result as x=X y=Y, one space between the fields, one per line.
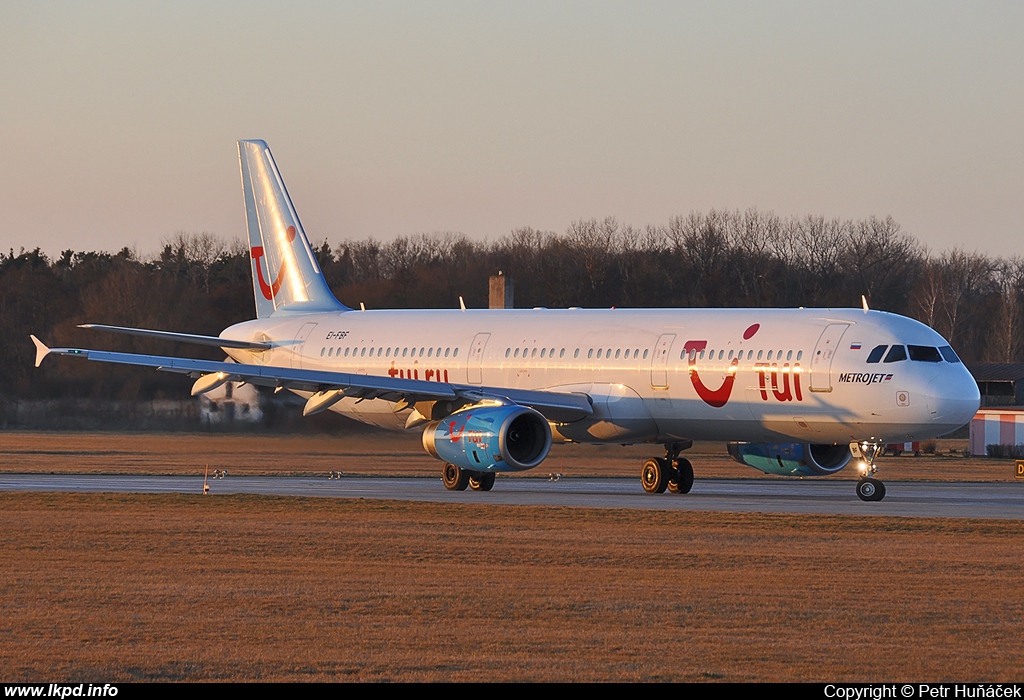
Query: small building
x=1002 y=427
x=230 y=403
x=1000 y=384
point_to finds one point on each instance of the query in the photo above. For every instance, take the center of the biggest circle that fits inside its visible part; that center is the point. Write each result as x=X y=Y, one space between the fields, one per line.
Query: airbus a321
x=796 y=392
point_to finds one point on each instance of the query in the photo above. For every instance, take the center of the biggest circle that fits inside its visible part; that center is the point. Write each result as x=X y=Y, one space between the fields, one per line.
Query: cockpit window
x=924 y=353
x=949 y=355
x=876 y=354
x=897 y=353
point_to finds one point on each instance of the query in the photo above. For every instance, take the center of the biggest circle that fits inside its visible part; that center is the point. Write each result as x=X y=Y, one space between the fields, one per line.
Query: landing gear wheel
x=682 y=477
x=870 y=490
x=654 y=475
x=481 y=481
x=454 y=478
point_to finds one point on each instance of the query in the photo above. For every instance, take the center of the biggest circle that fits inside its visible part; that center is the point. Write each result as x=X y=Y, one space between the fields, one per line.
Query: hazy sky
x=118 y=120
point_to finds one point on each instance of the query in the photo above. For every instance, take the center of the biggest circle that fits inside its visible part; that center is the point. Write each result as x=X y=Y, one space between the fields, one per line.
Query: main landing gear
x=868 y=488
x=456 y=478
x=671 y=472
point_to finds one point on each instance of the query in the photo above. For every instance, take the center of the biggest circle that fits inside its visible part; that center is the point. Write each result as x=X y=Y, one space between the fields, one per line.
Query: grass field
x=387 y=454
x=98 y=587
x=135 y=587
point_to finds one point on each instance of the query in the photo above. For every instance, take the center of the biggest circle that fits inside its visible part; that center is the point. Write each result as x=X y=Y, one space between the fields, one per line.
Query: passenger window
x=924 y=353
x=875 y=356
x=321 y=352
x=769 y=354
x=508 y=351
x=456 y=353
x=898 y=353
x=759 y=353
x=543 y=351
x=799 y=355
x=534 y=353
x=636 y=354
x=561 y=353
x=789 y=356
x=576 y=353
x=730 y=354
x=702 y=354
x=590 y=353
x=645 y=354
x=405 y=352
x=947 y=352
x=517 y=352
x=430 y=352
x=599 y=353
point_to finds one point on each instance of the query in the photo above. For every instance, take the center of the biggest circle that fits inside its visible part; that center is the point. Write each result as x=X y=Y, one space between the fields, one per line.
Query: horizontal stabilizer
x=211 y=340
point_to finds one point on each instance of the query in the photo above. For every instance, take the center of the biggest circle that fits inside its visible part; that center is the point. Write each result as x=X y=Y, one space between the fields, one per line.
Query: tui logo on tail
x=270 y=290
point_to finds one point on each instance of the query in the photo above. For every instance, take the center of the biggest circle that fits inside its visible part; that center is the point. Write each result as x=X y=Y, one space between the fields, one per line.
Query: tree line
x=199 y=283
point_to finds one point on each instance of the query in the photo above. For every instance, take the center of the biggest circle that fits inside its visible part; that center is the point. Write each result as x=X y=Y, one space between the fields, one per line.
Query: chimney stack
x=501 y=291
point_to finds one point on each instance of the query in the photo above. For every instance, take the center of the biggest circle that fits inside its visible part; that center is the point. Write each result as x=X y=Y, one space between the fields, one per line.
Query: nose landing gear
x=868 y=488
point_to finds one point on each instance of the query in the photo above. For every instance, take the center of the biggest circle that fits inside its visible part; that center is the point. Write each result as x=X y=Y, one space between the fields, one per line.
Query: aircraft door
x=824 y=353
x=299 y=346
x=659 y=361
x=475 y=361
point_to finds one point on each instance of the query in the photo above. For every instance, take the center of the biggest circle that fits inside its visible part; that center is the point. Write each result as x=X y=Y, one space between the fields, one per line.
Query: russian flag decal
x=855 y=346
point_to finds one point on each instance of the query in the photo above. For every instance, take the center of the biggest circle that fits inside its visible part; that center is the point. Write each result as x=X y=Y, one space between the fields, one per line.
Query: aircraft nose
x=953 y=400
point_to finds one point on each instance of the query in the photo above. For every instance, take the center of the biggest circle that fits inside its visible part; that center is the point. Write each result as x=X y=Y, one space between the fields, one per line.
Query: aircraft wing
x=330 y=387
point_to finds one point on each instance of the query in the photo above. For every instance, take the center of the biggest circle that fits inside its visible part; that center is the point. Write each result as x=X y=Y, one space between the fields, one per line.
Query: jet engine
x=490 y=438
x=791 y=459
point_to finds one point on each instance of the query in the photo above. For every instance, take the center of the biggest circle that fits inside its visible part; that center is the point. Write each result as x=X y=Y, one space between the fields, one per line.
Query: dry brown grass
x=385 y=454
x=137 y=587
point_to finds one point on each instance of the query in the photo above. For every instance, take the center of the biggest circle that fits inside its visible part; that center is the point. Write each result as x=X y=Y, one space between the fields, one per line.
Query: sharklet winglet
x=41 y=350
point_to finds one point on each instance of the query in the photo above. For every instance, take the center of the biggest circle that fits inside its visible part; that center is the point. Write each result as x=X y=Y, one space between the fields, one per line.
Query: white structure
x=996 y=426
x=231 y=402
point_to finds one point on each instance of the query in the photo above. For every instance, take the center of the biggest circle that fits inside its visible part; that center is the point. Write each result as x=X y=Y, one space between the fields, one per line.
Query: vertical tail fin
x=285 y=274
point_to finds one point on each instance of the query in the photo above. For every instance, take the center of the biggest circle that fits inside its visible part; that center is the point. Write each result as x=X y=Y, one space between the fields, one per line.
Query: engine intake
x=490 y=438
x=791 y=459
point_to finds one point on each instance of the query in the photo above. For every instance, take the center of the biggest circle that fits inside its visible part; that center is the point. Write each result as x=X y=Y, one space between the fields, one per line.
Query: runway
x=826 y=497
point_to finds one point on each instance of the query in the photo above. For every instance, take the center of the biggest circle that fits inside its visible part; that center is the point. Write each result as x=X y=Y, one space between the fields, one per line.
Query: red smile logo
x=270 y=290
x=716 y=398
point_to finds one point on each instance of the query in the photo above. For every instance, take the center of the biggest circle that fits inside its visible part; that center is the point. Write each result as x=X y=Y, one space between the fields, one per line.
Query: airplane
x=794 y=392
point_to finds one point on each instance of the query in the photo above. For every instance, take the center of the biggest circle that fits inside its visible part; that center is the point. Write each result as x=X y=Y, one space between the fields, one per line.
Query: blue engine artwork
x=791 y=459
x=490 y=438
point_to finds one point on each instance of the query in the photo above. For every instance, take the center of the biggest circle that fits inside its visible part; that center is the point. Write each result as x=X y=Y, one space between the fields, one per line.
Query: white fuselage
x=654 y=375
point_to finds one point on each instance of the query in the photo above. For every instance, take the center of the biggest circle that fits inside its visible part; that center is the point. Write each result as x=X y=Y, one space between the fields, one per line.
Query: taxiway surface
x=917 y=499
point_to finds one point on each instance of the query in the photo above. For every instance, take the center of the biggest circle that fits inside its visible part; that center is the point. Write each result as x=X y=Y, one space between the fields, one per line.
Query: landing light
x=862 y=467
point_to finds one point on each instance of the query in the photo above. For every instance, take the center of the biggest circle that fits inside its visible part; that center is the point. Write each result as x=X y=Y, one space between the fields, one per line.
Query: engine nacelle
x=490 y=438
x=789 y=459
